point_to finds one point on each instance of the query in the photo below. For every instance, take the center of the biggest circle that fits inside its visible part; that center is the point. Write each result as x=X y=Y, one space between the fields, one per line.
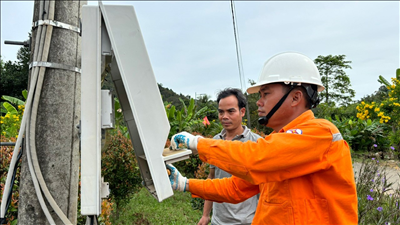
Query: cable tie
x=55 y=65
x=56 y=24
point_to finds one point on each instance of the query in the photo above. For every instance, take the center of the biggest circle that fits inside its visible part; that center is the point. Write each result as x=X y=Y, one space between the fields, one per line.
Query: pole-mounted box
x=111 y=34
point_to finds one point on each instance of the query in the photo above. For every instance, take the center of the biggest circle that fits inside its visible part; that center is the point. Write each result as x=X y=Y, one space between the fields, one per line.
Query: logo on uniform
x=294 y=131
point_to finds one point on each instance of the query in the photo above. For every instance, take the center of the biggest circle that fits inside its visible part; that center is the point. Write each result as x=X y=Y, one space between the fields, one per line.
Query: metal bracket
x=56 y=24
x=26 y=43
x=55 y=65
x=104 y=189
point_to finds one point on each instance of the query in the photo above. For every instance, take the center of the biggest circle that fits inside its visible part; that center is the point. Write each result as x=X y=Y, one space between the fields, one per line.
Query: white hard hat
x=288 y=67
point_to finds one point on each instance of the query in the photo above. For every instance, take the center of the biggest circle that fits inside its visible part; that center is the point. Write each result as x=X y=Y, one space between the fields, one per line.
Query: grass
x=145 y=209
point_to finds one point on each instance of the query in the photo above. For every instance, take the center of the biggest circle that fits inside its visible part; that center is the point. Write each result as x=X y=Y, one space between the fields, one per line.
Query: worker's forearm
x=207 y=208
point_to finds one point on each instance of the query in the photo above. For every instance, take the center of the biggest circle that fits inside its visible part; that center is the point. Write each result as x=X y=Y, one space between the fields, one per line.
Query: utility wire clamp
x=55 y=65
x=56 y=24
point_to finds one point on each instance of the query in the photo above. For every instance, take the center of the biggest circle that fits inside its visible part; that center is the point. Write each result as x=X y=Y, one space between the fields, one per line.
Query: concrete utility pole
x=57 y=138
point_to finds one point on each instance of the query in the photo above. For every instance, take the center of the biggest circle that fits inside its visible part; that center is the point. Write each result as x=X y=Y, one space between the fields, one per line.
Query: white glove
x=178 y=182
x=184 y=138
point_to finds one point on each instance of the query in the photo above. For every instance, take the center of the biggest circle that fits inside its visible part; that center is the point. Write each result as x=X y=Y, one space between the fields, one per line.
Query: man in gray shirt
x=231 y=109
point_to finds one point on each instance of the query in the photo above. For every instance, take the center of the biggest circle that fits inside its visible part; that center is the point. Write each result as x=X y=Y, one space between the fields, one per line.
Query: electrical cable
x=36 y=184
x=3 y=221
x=238 y=49
x=26 y=116
x=37 y=54
x=20 y=133
x=236 y=43
x=32 y=131
x=239 y=59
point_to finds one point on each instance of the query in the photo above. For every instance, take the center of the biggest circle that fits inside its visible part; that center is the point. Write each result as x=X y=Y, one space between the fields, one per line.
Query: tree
x=334 y=78
x=168 y=95
x=14 y=75
x=212 y=112
x=377 y=96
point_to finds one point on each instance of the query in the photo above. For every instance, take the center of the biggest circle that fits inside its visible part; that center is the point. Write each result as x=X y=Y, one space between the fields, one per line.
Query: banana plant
x=383 y=81
x=180 y=119
x=8 y=107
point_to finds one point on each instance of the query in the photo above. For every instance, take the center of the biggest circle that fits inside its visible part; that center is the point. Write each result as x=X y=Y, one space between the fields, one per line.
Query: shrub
x=201 y=173
x=13 y=110
x=378 y=201
x=325 y=110
x=185 y=118
x=120 y=169
x=362 y=135
x=387 y=111
x=6 y=153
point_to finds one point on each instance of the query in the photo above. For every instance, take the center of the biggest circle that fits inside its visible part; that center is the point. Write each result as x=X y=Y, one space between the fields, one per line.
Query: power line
x=239 y=59
x=238 y=50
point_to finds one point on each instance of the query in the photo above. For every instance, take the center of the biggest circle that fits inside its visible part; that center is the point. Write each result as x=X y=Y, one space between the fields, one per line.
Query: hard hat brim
x=256 y=87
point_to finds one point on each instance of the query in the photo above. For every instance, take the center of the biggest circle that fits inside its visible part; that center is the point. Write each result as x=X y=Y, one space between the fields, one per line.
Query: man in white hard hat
x=302 y=170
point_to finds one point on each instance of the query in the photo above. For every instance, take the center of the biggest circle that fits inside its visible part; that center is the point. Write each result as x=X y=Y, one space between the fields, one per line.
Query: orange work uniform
x=303 y=173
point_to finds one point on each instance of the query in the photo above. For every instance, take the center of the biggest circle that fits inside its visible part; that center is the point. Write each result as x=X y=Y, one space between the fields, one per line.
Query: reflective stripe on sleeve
x=337 y=137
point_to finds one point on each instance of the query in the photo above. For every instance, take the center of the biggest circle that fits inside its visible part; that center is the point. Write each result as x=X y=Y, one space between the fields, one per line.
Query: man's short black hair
x=235 y=92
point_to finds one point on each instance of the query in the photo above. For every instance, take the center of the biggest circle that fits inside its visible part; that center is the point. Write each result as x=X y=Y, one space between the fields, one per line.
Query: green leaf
x=369 y=122
x=10 y=108
x=116 y=103
x=184 y=109
x=13 y=100
x=179 y=116
x=3 y=110
x=353 y=132
x=383 y=81
x=25 y=94
x=201 y=111
x=171 y=114
x=190 y=112
x=14 y=222
x=191 y=105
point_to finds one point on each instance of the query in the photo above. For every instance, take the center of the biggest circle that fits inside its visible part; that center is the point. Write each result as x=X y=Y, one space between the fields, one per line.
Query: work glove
x=185 y=138
x=178 y=182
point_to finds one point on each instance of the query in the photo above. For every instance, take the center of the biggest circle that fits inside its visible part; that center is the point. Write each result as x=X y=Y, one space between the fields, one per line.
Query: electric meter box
x=111 y=35
x=107 y=110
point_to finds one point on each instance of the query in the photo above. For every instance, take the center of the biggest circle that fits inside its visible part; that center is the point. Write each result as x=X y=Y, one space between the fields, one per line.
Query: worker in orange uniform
x=302 y=170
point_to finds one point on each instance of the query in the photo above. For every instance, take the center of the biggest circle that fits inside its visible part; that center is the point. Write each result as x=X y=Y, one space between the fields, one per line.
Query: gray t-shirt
x=241 y=213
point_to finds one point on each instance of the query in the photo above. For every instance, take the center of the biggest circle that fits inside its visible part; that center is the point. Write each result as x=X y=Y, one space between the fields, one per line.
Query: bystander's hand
x=204 y=220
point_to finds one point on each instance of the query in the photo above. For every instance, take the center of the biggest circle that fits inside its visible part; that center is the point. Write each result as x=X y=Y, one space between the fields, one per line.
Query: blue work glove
x=178 y=182
x=184 y=138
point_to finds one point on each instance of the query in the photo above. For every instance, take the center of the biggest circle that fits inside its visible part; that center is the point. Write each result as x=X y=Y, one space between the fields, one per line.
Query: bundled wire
x=239 y=58
x=238 y=50
x=41 y=51
x=3 y=220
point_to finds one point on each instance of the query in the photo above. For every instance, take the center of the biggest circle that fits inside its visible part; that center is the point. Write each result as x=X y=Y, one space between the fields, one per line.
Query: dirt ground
x=392 y=171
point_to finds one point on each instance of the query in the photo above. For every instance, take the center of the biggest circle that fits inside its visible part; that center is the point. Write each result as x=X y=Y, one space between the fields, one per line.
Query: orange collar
x=305 y=116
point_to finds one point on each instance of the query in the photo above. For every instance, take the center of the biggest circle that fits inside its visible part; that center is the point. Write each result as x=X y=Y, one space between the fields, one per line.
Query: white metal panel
x=90 y=111
x=148 y=124
x=107 y=110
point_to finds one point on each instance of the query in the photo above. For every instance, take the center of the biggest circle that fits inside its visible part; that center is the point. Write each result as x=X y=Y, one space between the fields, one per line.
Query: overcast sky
x=192 y=47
